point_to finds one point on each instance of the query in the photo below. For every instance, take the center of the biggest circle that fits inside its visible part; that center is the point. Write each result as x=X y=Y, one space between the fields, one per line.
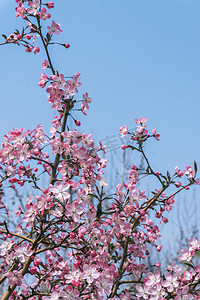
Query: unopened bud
x=66 y=45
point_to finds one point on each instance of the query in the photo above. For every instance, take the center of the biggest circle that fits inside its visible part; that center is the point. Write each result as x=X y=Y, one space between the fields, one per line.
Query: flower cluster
x=73 y=239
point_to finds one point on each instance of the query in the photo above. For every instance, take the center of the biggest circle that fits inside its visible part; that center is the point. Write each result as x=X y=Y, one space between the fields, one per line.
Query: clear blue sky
x=137 y=58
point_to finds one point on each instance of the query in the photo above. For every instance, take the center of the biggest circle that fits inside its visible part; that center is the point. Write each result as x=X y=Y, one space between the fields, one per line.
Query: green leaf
x=195 y=167
x=48 y=37
x=189 y=265
x=34 y=26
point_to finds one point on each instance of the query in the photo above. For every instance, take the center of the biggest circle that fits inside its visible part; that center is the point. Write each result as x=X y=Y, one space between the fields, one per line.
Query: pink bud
x=187 y=188
x=93 y=253
x=165 y=220
x=123 y=147
x=28 y=36
x=60 y=258
x=72 y=235
x=157 y=265
x=28 y=49
x=158 y=248
x=19 y=37
x=77 y=122
x=37 y=262
x=158 y=173
x=178 y=184
x=36 y=50
x=12 y=180
x=33 y=270
x=50 y=5
x=180 y=173
x=142 y=213
x=77 y=264
x=74 y=283
x=66 y=45
x=158 y=214
x=113 y=206
x=50 y=260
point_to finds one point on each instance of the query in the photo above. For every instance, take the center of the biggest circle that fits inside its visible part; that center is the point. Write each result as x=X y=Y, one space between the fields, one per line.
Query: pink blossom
x=171 y=282
x=142 y=292
x=86 y=100
x=43 y=80
x=74 y=84
x=6 y=246
x=45 y=64
x=156 y=135
x=21 y=11
x=123 y=131
x=54 y=296
x=90 y=273
x=141 y=121
x=178 y=172
x=14 y=277
x=22 y=252
x=58 y=80
x=189 y=172
x=60 y=191
x=54 y=29
x=103 y=183
x=30 y=213
x=186 y=256
x=36 y=50
x=43 y=14
x=34 y=7
x=74 y=210
x=69 y=293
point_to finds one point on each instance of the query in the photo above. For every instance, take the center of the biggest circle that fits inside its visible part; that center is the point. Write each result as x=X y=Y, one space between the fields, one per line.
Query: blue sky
x=137 y=58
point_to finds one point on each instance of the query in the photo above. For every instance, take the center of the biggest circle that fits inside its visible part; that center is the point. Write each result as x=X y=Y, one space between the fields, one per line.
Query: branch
x=17 y=235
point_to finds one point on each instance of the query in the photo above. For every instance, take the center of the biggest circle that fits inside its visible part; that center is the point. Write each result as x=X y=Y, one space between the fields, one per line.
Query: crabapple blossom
x=45 y=64
x=75 y=237
x=54 y=29
x=34 y=7
x=43 y=14
x=156 y=135
x=14 y=277
x=86 y=100
x=123 y=131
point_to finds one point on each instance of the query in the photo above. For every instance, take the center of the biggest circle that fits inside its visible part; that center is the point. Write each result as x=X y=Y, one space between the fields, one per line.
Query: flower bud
x=158 y=248
x=157 y=265
x=33 y=270
x=50 y=5
x=77 y=122
x=66 y=45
